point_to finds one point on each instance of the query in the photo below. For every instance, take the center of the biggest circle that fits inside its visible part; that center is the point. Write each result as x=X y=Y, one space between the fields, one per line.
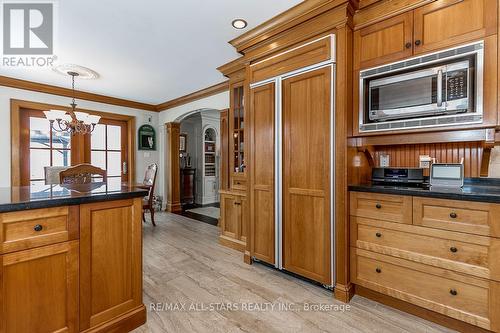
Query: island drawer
x=33 y=228
x=394 y=208
x=462 y=216
x=470 y=254
x=459 y=296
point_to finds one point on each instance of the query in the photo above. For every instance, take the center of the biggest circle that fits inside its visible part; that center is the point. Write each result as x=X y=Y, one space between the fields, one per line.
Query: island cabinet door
x=110 y=261
x=40 y=290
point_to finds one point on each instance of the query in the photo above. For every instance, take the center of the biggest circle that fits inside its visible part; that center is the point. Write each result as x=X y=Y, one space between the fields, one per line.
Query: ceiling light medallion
x=239 y=23
x=73 y=121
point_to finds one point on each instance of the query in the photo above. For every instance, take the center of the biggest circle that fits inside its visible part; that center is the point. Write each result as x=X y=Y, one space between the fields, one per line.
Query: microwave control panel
x=456 y=84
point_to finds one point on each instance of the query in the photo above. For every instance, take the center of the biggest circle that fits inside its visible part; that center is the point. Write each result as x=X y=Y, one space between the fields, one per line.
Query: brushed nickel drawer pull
x=453 y=292
x=378 y=206
x=378 y=234
x=453 y=215
x=38 y=227
x=453 y=249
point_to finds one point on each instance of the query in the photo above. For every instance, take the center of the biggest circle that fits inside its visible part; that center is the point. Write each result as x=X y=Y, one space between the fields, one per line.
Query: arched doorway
x=196 y=189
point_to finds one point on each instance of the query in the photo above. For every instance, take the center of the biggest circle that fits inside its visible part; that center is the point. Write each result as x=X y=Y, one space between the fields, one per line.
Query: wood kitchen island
x=71 y=258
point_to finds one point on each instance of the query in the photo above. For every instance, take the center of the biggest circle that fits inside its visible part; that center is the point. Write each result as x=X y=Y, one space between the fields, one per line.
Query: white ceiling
x=149 y=51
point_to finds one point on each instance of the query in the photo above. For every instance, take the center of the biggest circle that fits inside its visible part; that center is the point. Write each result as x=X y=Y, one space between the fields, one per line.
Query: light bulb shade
x=54 y=114
x=93 y=119
x=81 y=116
x=67 y=118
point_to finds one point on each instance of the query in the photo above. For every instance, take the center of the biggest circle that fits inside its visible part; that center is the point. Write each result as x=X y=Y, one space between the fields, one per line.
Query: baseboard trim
x=233 y=244
x=125 y=323
x=344 y=293
x=418 y=311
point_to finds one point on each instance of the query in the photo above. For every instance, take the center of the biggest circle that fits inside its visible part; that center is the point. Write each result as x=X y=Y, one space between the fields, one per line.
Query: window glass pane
x=98 y=137
x=114 y=137
x=114 y=163
x=61 y=157
x=37 y=182
x=114 y=183
x=39 y=158
x=98 y=159
x=61 y=140
x=39 y=133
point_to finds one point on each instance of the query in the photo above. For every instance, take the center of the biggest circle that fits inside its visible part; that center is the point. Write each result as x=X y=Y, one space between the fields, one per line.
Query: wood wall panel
x=408 y=155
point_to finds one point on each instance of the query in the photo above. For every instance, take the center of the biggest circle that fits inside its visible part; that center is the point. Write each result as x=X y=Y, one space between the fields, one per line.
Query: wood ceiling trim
x=55 y=90
x=284 y=21
x=212 y=90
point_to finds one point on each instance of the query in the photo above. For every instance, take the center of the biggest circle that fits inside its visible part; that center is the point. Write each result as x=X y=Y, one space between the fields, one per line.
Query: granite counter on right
x=432 y=249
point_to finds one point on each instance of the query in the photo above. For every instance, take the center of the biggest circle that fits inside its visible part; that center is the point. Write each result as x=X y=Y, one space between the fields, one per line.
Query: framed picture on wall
x=182 y=142
x=147 y=138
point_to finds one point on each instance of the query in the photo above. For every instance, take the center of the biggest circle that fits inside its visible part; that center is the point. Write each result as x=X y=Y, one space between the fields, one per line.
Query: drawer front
x=462 y=216
x=394 y=208
x=39 y=227
x=455 y=251
x=239 y=184
x=458 y=296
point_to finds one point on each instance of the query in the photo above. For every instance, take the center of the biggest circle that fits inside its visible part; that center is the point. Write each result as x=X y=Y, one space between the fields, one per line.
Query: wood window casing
x=18 y=130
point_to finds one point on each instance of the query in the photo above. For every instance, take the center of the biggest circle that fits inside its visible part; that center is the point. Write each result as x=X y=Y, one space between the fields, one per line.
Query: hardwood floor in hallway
x=185 y=266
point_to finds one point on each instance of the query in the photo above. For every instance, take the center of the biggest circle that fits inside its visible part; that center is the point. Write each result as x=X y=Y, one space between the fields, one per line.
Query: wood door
x=229 y=216
x=40 y=289
x=306 y=174
x=110 y=260
x=448 y=22
x=262 y=101
x=107 y=149
x=41 y=147
x=384 y=42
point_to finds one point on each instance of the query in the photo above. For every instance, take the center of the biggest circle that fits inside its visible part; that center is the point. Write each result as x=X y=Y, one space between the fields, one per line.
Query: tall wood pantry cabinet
x=234 y=208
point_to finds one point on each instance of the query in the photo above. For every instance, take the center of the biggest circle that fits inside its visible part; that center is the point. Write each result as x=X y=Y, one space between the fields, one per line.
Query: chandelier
x=73 y=121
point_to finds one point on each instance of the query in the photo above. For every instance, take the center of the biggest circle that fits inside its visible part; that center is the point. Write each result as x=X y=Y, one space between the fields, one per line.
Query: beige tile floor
x=184 y=264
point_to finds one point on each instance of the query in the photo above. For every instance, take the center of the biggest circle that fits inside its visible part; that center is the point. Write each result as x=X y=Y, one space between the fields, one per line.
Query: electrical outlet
x=425 y=161
x=385 y=161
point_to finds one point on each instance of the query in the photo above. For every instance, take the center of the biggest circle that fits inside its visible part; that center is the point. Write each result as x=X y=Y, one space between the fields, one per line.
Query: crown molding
x=233 y=66
x=209 y=91
x=286 y=20
x=55 y=90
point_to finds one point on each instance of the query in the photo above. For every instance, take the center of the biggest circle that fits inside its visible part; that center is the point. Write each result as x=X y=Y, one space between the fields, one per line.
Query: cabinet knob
x=378 y=234
x=418 y=42
x=453 y=215
x=378 y=270
x=453 y=249
x=453 y=292
x=408 y=45
x=38 y=227
x=378 y=206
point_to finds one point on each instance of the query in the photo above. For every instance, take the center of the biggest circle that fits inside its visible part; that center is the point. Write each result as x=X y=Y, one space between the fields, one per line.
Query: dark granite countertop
x=475 y=189
x=44 y=196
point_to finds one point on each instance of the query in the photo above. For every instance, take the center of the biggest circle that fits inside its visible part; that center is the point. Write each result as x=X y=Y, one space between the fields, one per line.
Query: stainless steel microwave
x=443 y=84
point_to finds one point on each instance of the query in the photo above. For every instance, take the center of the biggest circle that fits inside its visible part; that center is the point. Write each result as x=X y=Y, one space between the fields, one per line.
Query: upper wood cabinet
x=383 y=42
x=449 y=22
x=440 y=24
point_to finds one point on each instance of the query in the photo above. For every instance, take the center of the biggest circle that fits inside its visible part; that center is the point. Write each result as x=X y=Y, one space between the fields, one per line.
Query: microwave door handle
x=440 y=88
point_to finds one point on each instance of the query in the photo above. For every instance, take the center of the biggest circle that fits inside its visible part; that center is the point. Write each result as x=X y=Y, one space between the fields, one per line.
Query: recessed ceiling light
x=239 y=23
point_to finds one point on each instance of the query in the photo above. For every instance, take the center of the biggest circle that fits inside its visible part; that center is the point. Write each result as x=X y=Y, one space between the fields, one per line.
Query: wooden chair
x=149 y=184
x=81 y=174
